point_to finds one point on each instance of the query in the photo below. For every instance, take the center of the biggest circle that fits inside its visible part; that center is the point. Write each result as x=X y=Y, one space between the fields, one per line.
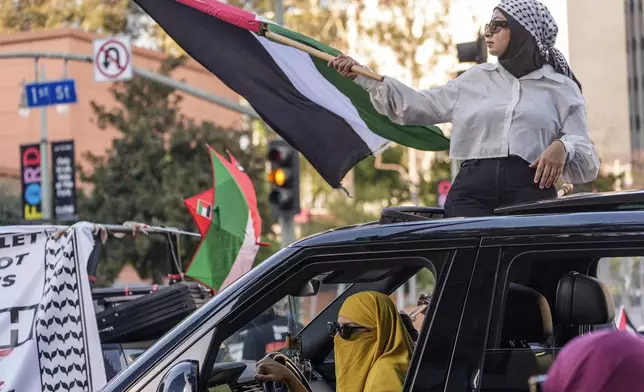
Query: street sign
x=30 y=181
x=113 y=59
x=62 y=157
x=57 y=92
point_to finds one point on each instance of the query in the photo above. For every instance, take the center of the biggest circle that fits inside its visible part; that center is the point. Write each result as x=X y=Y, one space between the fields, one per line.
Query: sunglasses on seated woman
x=495 y=25
x=345 y=331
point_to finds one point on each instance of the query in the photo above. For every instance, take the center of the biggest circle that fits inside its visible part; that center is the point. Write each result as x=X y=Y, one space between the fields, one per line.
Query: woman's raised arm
x=401 y=103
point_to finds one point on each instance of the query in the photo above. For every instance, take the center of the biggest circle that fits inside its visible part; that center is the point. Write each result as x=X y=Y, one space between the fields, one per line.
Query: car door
x=435 y=254
x=535 y=265
x=190 y=356
x=452 y=340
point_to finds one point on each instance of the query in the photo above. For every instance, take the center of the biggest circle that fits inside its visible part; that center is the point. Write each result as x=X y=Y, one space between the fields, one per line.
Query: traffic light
x=472 y=52
x=284 y=177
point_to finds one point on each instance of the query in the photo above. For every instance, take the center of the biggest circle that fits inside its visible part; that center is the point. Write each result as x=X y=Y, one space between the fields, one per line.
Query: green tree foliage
x=341 y=213
x=10 y=207
x=327 y=24
x=159 y=159
x=603 y=183
x=374 y=190
x=95 y=16
x=304 y=16
x=409 y=26
x=388 y=186
x=606 y=182
x=441 y=170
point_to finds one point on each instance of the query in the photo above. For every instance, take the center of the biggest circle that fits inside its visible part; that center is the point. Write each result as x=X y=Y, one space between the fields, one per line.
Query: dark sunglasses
x=345 y=331
x=495 y=25
x=536 y=383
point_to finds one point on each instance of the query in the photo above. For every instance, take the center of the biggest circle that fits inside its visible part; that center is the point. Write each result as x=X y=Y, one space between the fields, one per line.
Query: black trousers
x=482 y=185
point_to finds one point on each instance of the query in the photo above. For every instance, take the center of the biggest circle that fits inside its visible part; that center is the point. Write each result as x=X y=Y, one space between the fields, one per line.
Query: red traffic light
x=279 y=154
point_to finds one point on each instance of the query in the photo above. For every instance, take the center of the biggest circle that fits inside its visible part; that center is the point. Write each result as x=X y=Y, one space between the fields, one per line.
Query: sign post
x=41 y=94
x=62 y=157
x=112 y=59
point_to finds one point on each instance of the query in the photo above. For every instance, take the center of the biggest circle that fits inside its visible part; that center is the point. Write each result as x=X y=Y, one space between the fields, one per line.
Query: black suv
x=508 y=292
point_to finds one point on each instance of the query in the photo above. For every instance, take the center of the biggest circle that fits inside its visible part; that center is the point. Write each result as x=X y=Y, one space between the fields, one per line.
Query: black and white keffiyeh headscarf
x=537 y=20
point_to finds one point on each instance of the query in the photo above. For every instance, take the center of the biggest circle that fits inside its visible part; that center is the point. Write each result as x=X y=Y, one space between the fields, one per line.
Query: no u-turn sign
x=113 y=59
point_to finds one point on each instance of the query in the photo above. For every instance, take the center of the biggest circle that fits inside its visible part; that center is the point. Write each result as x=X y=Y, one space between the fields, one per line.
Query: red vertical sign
x=31 y=183
x=442 y=191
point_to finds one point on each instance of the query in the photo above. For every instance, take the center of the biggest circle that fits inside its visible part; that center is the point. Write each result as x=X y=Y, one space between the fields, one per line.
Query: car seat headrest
x=583 y=300
x=527 y=316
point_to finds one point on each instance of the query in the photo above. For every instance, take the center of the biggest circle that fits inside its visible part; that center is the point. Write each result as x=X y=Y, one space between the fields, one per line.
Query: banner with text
x=48 y=335
x=30 y=180
x=62 y=156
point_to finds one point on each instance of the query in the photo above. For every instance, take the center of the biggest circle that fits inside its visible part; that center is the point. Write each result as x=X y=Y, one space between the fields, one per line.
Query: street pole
x=146 y=74
x=287 y=228
x=279 y=12
x=45 y=183
x=286 y=222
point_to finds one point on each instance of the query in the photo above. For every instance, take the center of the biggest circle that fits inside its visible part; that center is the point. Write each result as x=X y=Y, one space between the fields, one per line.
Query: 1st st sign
x=57 y=92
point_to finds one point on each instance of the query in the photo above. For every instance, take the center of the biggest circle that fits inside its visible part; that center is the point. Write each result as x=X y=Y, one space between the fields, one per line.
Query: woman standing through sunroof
x=518 y=125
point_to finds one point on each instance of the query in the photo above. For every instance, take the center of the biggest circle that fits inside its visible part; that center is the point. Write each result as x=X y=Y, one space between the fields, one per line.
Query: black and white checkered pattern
x=536 y=18
x=60 y=329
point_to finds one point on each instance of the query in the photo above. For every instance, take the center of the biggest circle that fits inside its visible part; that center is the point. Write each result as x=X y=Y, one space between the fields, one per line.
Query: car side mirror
x=182 y=377
x=309 y=289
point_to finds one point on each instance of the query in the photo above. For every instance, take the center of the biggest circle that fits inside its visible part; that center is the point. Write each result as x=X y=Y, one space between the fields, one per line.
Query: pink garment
x=600 y=362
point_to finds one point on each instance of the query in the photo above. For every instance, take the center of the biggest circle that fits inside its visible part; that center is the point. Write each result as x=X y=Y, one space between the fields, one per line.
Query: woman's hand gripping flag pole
x=318 y=53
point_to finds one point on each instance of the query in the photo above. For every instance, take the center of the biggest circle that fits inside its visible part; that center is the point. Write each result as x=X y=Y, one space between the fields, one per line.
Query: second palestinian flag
x=326 y=117
x=229 y=223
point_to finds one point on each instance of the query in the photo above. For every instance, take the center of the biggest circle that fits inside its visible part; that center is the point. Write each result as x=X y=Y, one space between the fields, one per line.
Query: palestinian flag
x=204 y=209
x=326 y=117
x=201 y=214
x=229 y=223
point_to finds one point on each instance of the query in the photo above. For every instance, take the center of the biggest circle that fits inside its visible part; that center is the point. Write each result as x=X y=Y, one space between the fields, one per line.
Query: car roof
x=569 y=214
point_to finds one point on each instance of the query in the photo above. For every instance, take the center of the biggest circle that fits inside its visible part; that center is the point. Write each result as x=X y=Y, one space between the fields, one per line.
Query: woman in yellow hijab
x=371 y=348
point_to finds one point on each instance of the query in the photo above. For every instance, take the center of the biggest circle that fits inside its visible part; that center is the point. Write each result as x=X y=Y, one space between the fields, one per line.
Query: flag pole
x=565 y=190
x=319 y=54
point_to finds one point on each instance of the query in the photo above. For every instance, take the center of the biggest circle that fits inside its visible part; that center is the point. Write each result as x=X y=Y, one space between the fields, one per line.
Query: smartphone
x=536 y=383
x=414 y=313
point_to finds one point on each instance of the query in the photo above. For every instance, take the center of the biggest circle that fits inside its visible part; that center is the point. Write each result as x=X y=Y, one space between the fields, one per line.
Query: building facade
x=634 y=42
x=77 y=121
x=599 y=57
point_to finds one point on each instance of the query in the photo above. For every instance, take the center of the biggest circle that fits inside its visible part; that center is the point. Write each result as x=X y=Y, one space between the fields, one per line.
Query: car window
x=407 y=296
x=624 y=276
x=267 y=332
x=534 y=325
x=406 y=299
x=113 y=360
x=404 y=274
x=524 y=330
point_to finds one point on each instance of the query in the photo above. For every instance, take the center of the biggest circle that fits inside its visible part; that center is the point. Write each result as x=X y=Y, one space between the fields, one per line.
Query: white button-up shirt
x=494 y=114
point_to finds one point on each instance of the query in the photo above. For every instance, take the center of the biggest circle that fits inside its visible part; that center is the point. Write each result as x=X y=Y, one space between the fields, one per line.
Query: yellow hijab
x=377 y=360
